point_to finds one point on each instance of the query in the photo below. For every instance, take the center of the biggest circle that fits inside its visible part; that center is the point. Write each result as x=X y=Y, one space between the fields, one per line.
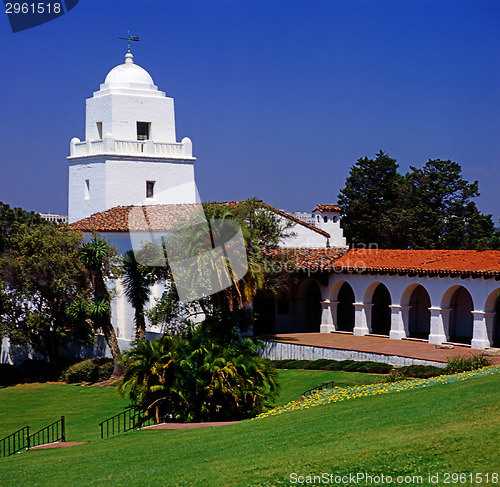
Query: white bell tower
x=130 y=155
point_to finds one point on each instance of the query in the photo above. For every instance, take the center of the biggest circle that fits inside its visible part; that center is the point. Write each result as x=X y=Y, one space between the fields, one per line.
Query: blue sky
x=280 y=97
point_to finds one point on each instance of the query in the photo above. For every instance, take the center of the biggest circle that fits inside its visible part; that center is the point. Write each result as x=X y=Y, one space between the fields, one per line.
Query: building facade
x=130 y=154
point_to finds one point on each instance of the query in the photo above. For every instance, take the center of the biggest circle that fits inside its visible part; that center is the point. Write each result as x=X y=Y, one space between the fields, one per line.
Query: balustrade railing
x=22 y=439
x=325 y=385
x=15 y=442
x=50 y=434
x=158 y=149
x=127 y=420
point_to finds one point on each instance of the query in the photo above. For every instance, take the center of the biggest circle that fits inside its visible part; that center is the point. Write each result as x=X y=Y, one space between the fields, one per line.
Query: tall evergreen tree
x=368 y=200
x=429 y=208
x=447 y=218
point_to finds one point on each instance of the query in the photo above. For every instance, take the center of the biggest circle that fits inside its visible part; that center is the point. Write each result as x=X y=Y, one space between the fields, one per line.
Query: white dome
x=127 y=73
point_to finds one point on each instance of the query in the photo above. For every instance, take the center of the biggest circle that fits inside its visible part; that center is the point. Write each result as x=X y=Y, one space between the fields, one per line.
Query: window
x=325 y=219
x=99 y=130
x=143 y=130
x=150 y=189
x=334 y=219
x=86 y=189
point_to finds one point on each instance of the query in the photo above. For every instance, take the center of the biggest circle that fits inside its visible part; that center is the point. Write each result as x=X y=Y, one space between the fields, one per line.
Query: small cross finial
x=129 y=38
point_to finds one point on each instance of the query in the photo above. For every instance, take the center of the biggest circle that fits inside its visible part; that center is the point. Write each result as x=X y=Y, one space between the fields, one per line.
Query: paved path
x=58 y=444
x=375 y=344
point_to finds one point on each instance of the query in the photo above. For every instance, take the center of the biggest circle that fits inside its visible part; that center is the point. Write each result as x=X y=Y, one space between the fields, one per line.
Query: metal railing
x=127 y=420
x=22 y=438
x=50 y=434
x=15 y=442
x=325 y=385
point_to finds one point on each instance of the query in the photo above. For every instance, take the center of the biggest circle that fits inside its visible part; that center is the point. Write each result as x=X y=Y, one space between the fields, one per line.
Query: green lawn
x=446 y=428
x=295 y=381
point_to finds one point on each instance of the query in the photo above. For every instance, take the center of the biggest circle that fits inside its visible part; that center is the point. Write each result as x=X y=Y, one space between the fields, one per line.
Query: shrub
x=9 y=374
x=396 y=376
x=38 y=371
x=326 y=364
x=422 y=371
x=90 y=370
x=461 y=363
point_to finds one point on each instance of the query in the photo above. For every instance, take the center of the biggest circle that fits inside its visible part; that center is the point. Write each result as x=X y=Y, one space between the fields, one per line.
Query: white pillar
x=480 y=339
x=439 y=325
x=362 y=319
x=399 y=321
x=327 y=321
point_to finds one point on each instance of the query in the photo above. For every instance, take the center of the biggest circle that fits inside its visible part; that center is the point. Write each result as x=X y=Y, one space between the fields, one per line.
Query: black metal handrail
x=17 y=441
x=127 y=420
x=325 y=385
x=50 y=434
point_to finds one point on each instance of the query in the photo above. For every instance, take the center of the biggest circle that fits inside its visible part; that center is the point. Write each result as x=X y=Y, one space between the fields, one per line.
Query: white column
x=439 y=325
x=327 y=321
x=399 y=321
x=480 y=339
x=362 y=319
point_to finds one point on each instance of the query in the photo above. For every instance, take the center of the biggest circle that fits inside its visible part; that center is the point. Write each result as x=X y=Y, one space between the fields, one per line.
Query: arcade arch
x=345 y=308
x=419 y=315
x=492 y=311
x=459 y=301
x=378 y=295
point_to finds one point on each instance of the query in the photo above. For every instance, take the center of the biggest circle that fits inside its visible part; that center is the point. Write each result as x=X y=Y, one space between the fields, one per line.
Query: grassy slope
x=452 y=427
x=295 y=382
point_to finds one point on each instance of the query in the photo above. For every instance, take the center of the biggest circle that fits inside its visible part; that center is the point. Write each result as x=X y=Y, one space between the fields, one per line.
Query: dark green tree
x=99 y=258
x=260 y=225
x=429 y=208
x=12 y=220
x=372 y=192
x=446 y=217
x=42 y=275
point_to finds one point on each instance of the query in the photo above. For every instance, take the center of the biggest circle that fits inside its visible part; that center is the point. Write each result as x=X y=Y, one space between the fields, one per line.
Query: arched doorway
x=381 y=313
x=460 y=328
x=419 y=315
x=345 y=308
x=312 y=308
x=264 y=313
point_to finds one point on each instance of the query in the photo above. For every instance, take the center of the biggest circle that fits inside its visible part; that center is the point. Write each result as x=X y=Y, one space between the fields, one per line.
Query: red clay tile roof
x=158 y=218
x=322 y=208
x=427 y=262
x=137 y=218
x=306 y=258
x=423 y=262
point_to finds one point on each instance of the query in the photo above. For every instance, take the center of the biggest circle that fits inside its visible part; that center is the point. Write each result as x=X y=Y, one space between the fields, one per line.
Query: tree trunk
x=107 y=327
x=140 y=324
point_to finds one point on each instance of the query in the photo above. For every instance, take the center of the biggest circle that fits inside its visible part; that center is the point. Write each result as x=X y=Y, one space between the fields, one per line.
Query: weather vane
x=129 y=38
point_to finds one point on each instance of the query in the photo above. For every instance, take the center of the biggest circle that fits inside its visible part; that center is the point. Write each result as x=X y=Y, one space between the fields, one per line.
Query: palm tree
x=95 y=256
x=200 y=376
x=137 y=282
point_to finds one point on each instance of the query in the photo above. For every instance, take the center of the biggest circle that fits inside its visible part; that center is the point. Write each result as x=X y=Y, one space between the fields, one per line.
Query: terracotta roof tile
x=306 y=258
x=429 y=262
x=324 y=207
x=138 y=218
x=467 y=263
x=159 y=218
